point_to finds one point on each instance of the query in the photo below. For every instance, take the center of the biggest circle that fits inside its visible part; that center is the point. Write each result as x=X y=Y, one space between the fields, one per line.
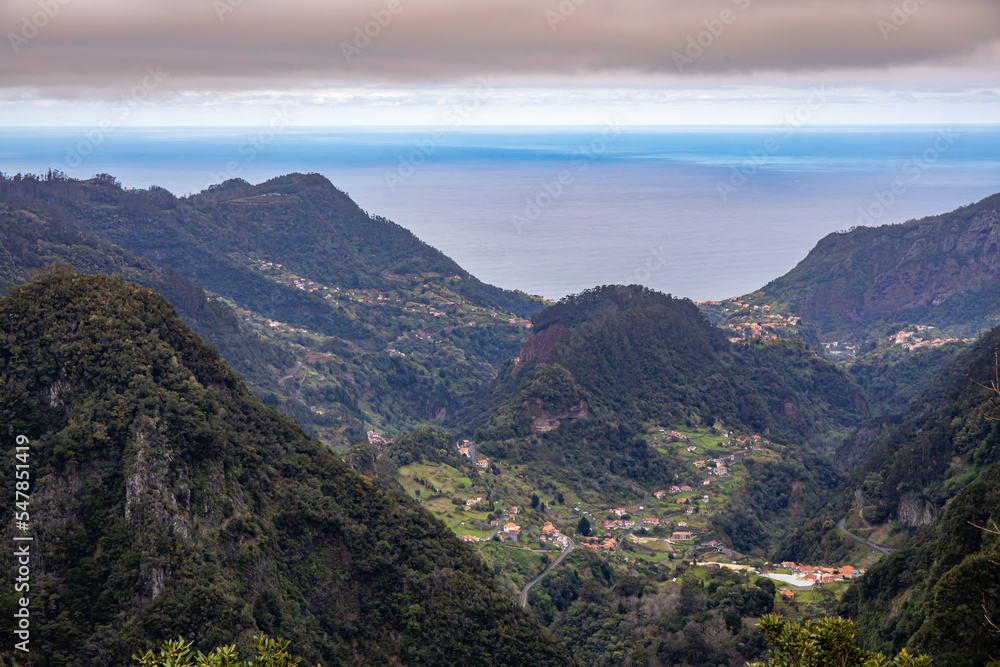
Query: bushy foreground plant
x=828 y=642
x=178 y=653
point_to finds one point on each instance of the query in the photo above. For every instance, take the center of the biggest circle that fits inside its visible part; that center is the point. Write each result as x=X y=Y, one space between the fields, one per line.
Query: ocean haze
x=701 y=213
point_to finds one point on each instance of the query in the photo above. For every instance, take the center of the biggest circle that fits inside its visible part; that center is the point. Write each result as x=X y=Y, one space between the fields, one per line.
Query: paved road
x=298 y=367
x=559 y=559
x=840 y=527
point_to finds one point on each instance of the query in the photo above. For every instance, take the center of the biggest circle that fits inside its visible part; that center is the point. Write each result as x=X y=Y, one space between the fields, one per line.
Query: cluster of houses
x=719 y=468
x=472 y=502
x=549 y=532
x=719 y=547
x=510 y=532
x=372 y=298
x=840 y=349
x=908 y=341
x=682 y=533
x=305 y=284
x=375 y=438
x=628 y=524
x=758 y=318
x=661 y=494
x=599 y=543
x=269 y=265
x=758 y=328
x=275 y=324
x=465 y=449
x=822 y=575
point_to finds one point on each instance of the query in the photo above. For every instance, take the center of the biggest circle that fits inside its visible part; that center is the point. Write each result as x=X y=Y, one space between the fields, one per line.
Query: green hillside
x=166 y=500
x=170 y=500
x=940 y=446
x=644 y=357
x=343 y=321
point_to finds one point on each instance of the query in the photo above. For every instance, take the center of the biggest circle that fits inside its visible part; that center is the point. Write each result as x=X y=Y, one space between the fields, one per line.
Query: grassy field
x=519 y=565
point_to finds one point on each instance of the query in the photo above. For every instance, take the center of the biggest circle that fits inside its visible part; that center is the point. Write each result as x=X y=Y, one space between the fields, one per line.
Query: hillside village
x=435 y=306
x=495 y=506
x=744 y=320
x=423 y=318
x=920 y=336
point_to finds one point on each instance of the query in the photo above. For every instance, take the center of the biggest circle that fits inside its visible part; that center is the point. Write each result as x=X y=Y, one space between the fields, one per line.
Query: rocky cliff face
x=543 y=419
x=538 y=348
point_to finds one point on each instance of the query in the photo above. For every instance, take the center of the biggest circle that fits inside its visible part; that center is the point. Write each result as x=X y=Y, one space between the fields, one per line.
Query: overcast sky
x=498 y=62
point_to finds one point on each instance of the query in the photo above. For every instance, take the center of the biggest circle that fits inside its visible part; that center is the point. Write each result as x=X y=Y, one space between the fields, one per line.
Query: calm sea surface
x=700 y=213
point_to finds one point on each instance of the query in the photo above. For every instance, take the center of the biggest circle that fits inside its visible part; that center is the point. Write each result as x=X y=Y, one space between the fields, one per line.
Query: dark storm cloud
x=71 y=47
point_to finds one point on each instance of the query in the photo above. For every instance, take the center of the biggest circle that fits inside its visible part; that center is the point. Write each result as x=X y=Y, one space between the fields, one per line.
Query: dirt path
x=728 y=566
x=861 y=508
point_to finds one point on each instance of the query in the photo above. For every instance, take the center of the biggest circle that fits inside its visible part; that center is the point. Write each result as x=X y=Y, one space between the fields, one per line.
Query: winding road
x=298 y=391
x=840 y=526
x=559 y=559
x=298 y=367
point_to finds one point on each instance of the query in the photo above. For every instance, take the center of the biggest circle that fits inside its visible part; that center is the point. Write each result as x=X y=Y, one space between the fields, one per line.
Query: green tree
x=534 y=501
x=828 y=642
x=178 y=653
x=583 y=528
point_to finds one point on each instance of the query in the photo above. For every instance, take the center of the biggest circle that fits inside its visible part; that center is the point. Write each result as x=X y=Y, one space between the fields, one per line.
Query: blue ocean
x=696 y=212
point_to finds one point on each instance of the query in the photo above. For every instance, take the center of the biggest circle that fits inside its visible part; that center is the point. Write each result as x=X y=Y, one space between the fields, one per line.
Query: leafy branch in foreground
x=828 y=642
x=178 y=653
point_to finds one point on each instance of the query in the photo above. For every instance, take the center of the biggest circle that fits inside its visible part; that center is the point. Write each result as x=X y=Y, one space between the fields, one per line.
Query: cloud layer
x=86 y=47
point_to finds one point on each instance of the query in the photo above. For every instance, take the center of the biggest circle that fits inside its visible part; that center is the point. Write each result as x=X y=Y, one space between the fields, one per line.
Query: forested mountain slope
x=167 y=500
x=938 y=445
x=940 y=594
x=645 y=356
x=345 y=321
x=300 y=218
